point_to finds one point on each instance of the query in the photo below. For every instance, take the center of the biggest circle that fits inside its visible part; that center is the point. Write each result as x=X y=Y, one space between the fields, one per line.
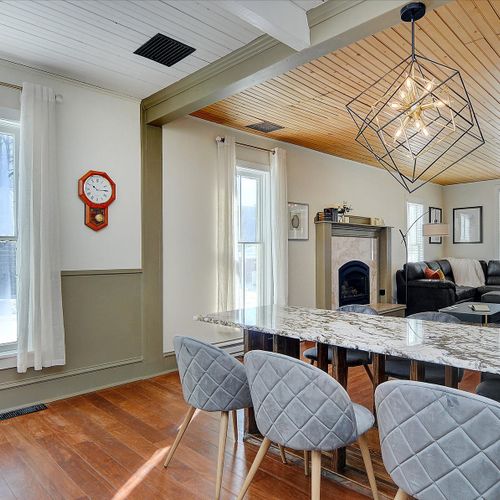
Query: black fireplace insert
x=354 y=283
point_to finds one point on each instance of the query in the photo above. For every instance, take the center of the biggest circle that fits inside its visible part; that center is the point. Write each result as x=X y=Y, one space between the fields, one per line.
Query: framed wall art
x=468 y=225
x=435 y=216
x=298 y=221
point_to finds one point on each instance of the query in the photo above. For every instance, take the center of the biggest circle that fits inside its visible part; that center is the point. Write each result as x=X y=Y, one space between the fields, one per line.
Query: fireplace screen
x=354 y=283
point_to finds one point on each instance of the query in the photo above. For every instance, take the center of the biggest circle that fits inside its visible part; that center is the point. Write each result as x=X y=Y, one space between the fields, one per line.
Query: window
x=9 y=141
x=250 y=229
x=415 y=211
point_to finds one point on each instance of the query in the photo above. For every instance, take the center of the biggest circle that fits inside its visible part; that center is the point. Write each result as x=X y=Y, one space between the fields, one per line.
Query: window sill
x=8 y=360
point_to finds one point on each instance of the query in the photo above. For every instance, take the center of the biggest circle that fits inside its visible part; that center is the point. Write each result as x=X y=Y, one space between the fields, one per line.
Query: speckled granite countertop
x=462 y=346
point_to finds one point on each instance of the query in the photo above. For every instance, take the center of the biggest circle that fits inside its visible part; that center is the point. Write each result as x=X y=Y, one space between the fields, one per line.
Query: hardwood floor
x=112 y=444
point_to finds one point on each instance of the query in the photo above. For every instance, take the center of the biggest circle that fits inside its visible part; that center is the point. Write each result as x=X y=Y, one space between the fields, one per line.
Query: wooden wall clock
x=97 y=191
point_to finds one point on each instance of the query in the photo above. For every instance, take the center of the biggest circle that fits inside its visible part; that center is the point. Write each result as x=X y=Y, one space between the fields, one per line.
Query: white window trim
x=423 y=221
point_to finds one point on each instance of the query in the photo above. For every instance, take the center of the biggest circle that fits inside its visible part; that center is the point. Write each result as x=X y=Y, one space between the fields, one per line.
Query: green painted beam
x=333 y=25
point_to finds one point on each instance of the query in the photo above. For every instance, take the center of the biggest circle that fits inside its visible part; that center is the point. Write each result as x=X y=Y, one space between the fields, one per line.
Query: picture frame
x=435 y=215
x=468 y=225
x=298 y=221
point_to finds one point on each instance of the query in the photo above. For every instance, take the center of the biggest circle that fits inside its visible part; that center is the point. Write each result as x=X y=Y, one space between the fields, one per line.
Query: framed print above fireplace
x=468 y=225
x=435 y=216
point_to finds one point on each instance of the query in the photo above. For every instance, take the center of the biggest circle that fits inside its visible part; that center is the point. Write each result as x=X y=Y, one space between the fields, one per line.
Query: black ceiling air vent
x=164 y=50
x=265 y=127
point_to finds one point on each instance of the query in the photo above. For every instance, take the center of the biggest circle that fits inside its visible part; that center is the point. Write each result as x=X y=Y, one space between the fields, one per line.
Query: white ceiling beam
x=281 y=19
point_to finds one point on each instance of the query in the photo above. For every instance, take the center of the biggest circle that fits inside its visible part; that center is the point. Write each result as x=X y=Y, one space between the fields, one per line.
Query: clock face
x=97 y=189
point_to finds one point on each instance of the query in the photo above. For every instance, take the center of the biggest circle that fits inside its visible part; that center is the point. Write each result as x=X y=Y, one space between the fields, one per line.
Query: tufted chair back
x=298 y=405
x=211 y=379
x=434 y=316
x=439 y=442
x=357 y=308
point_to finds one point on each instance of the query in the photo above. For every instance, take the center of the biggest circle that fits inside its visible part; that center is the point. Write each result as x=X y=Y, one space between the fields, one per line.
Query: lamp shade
x=436 y=229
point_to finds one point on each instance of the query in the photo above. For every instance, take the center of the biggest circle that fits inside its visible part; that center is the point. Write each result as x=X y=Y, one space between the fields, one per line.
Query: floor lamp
x=431 y=229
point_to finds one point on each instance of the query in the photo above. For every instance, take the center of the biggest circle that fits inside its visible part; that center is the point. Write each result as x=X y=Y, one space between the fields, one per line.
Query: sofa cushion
x=416 y=270
x=488 y=288
x=493 y=272
x=465 y=293
x=431 y=274
x=446 y=268
x=491 y=297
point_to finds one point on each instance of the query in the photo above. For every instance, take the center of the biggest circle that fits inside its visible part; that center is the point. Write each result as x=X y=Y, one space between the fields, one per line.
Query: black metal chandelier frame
x=411 y=13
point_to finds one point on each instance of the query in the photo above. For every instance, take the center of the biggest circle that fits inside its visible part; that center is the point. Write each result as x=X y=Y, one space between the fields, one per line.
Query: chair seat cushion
x=465 y=293
x=400 y=368
x=355 y=357
x=364 y=418
x=490 y=388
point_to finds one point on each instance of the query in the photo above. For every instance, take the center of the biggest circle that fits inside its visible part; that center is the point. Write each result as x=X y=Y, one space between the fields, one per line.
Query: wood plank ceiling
x=309 y=101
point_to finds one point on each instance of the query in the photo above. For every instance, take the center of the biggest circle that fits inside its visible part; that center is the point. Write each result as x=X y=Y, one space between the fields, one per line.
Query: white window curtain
x=226 y=175
x=279 y=227
x=40 y=316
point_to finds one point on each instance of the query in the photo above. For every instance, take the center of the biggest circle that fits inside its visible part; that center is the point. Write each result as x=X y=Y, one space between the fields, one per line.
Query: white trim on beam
x=284 y=21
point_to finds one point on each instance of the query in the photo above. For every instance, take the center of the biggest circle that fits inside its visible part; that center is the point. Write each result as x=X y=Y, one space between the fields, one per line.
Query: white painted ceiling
x=93 y=40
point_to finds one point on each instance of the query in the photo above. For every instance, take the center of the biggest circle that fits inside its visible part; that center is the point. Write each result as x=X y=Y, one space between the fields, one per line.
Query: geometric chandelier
x=417 y=120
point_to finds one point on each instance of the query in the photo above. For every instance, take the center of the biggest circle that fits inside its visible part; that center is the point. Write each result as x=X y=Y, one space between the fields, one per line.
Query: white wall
x=473 y=194
x=96 y=130
x=189 y=159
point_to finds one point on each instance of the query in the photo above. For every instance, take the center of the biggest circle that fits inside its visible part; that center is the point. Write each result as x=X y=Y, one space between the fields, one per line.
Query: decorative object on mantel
x=417 y=120
x=436 y=217
x=336 y=213
x=468 y=225
x=430 y=229
x=298 y=221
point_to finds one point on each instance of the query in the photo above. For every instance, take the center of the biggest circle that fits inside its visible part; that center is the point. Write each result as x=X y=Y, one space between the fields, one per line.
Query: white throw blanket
x=467 y=272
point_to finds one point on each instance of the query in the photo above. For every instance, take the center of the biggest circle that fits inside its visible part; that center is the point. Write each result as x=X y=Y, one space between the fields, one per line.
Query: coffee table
x=464 y=312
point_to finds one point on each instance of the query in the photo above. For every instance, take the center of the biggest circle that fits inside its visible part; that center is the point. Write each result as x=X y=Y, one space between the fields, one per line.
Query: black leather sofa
x=431 y=295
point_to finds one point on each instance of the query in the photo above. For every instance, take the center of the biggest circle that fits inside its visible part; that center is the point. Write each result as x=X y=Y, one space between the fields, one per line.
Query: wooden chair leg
x=224 y=421
x=282 y=453
x=306 y=463
x=311 y=361
x=182 y=430
x=368 y=372
x=365 y=453
x=234 y=418
x=315 y=475
x=401 y=495
x=255 y=467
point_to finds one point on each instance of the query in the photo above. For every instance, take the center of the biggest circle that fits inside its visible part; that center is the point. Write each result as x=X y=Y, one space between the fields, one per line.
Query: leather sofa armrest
x=434 y=284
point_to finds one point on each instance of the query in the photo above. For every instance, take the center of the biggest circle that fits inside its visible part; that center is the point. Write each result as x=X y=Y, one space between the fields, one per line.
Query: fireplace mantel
x=325 y=232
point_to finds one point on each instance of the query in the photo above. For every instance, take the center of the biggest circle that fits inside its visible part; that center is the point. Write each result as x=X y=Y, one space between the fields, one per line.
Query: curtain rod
x=11 y=86
x=221 y=139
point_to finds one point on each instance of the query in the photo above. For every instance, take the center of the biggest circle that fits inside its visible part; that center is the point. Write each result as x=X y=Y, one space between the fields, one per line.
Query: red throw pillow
x=430 y=274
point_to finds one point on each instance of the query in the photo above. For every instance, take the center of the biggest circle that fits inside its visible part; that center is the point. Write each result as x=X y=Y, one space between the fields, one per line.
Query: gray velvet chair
x=489 y=386
x=438 y=442
x=211 y=380
x=301 y=407
x=354 y=357
x=396 y=367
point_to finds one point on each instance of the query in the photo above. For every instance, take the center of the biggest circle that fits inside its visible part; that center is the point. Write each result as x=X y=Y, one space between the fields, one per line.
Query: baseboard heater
x=22 y=411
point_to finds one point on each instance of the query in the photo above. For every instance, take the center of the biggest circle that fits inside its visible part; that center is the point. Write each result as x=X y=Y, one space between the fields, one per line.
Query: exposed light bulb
x=425 y=132
x=429 y=86
x=418 y=124
x=398 y=133
x=409 y=83
x=394 y=105
x=402 y=94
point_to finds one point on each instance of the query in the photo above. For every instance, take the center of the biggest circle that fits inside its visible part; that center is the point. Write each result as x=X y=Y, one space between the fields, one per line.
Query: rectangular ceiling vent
x=265 y=127
x=164 y=50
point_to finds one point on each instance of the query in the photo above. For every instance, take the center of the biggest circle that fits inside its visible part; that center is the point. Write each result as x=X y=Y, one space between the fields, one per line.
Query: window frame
x=9 y=349
x=244 y=169
x=419 y=224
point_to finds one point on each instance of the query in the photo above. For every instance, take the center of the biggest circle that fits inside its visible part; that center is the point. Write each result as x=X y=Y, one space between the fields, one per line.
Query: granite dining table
x=282 y=328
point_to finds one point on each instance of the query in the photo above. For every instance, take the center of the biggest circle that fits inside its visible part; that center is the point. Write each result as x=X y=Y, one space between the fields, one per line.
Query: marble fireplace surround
x=338 y=243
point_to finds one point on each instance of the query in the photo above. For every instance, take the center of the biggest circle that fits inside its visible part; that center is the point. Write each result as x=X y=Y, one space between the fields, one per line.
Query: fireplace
x=354 y=283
